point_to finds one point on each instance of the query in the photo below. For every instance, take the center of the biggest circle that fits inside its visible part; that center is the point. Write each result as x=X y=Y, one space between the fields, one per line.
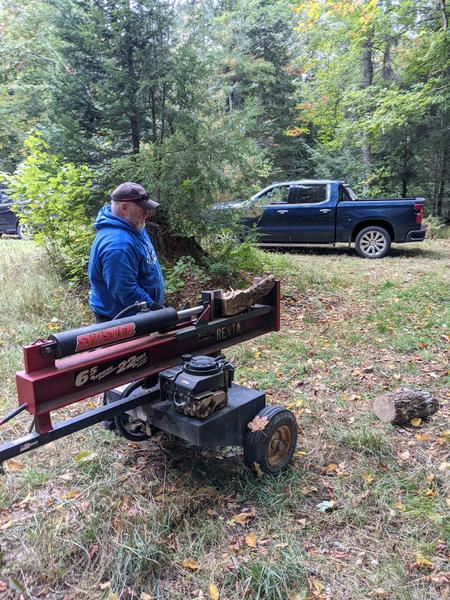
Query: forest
x=204 y=101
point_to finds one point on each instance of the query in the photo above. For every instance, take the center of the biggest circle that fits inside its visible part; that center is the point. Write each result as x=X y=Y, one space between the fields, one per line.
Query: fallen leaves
x=331 y=468
x=423 y=437
x=213 y=591
x=415 y=421
x=105 y=585
x=84 y=456
x=191 y=565
x=258 y=423
x=379 y=593
x=250 y=540
x=70 y=495
x=14 y=465
x=315 y=586
x=444 y=437
x=308 y=491
x=92 y=551
x=423 y=563
x=244 y=517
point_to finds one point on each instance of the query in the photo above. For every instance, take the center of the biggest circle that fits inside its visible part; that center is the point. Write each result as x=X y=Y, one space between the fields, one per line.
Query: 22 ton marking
x=95 y=374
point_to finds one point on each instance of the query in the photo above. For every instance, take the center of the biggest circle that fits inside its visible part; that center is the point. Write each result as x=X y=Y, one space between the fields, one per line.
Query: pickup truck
x=9 y=222
x=295 y=213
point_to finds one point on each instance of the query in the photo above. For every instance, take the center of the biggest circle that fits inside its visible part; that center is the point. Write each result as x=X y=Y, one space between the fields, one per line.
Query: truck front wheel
x=373 y=242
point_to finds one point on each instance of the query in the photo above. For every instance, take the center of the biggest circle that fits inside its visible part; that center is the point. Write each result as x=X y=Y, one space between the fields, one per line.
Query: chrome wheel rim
x=373 y=243
x=25 y=231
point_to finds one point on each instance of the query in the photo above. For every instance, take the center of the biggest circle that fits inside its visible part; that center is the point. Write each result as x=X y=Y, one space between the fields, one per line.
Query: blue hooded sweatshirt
x=123 y=267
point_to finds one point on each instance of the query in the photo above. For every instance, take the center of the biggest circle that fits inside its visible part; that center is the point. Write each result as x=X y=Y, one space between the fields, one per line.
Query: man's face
x=135 y=214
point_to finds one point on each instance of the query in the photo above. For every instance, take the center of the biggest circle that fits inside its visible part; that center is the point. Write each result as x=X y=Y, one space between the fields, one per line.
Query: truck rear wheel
x=373 y=242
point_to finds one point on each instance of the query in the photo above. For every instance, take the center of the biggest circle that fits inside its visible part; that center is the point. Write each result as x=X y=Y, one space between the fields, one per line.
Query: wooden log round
x=236 y=301
x=400 y=407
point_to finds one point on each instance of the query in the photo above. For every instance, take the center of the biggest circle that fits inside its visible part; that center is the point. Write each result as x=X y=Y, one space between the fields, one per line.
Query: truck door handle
x=282 y=212
x=325 y=210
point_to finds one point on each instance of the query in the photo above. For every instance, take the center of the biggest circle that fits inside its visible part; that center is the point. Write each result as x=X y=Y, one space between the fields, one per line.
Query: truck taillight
x=419 y=213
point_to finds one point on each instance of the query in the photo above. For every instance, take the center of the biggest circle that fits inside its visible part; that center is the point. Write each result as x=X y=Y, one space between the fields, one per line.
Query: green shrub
x=52 y=199
x=435 y=227
x=175 y=276
x=231 y=258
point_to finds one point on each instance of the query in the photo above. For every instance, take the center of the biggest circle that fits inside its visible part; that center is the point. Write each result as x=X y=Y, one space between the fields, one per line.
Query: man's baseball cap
x=133 y=192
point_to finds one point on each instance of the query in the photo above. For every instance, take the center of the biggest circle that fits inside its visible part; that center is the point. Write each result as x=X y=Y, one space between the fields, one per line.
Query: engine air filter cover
x=202 y=365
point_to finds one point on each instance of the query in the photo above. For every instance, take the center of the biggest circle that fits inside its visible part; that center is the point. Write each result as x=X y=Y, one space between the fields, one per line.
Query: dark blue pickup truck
x=294 y=213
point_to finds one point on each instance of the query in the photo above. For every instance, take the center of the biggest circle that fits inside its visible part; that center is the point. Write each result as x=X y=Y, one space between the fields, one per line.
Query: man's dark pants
x=107 y=423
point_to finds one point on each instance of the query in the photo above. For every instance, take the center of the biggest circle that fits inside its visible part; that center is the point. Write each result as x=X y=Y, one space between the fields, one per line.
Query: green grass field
x=156 y=520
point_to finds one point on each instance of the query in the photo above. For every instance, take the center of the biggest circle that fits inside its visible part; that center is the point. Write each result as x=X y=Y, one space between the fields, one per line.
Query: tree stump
x=236 y=301
x=400 y=407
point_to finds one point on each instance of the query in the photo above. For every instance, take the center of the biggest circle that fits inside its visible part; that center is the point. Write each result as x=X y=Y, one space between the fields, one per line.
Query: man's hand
x=155 y=306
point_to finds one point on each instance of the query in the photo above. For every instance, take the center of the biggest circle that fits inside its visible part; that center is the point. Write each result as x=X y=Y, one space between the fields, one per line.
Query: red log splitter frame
x=158 y=370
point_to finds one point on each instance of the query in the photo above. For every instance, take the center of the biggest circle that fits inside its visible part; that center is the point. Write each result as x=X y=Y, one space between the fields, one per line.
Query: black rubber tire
x=381 y=239
x=121 y=421
x=257 y=443
x=24 y=232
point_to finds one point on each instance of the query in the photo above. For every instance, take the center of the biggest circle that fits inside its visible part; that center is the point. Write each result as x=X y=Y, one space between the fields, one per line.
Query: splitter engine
x=199 y=386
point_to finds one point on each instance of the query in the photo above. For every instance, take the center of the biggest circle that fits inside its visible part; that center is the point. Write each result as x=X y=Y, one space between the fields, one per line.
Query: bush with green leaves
x=176 y=275
x=435 y=227
x=231 y=259
x=52 y=197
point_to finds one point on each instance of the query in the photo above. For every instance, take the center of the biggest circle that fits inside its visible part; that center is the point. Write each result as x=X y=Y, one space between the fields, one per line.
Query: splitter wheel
x=271 y=449
x=130 y=428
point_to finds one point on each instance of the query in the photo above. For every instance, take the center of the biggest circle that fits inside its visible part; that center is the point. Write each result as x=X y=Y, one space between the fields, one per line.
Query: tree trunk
x=442 y=172
x=152 y=102
x=366 y=82
x=405 y=173
x=163 y=112
x=441 y=183
x=400 y=407
x=444 y=13
x=387 y=72
x=135 y=135
x=133 y=115
x=171 y=245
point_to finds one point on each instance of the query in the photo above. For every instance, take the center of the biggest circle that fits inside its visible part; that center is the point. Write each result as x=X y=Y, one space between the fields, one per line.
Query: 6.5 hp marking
x=99 y=373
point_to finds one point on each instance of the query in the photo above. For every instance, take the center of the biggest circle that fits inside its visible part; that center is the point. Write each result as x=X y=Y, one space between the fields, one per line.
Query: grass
x=155 y=520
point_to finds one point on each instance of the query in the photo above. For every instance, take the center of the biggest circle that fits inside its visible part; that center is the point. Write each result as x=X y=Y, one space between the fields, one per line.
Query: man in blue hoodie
x=123 y=267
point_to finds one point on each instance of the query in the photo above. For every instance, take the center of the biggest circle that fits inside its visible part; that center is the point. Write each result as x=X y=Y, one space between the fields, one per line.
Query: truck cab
x=294 y=212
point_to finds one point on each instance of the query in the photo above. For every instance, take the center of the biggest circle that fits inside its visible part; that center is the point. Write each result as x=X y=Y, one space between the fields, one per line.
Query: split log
x=236 y=301
x=400 y=407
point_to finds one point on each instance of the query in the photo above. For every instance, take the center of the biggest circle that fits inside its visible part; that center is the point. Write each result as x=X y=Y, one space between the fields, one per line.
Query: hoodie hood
x=105 y=218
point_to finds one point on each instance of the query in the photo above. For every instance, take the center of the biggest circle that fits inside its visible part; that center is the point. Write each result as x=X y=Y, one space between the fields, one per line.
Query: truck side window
x=276 y=195
x=343 y=195
x=310 y=194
